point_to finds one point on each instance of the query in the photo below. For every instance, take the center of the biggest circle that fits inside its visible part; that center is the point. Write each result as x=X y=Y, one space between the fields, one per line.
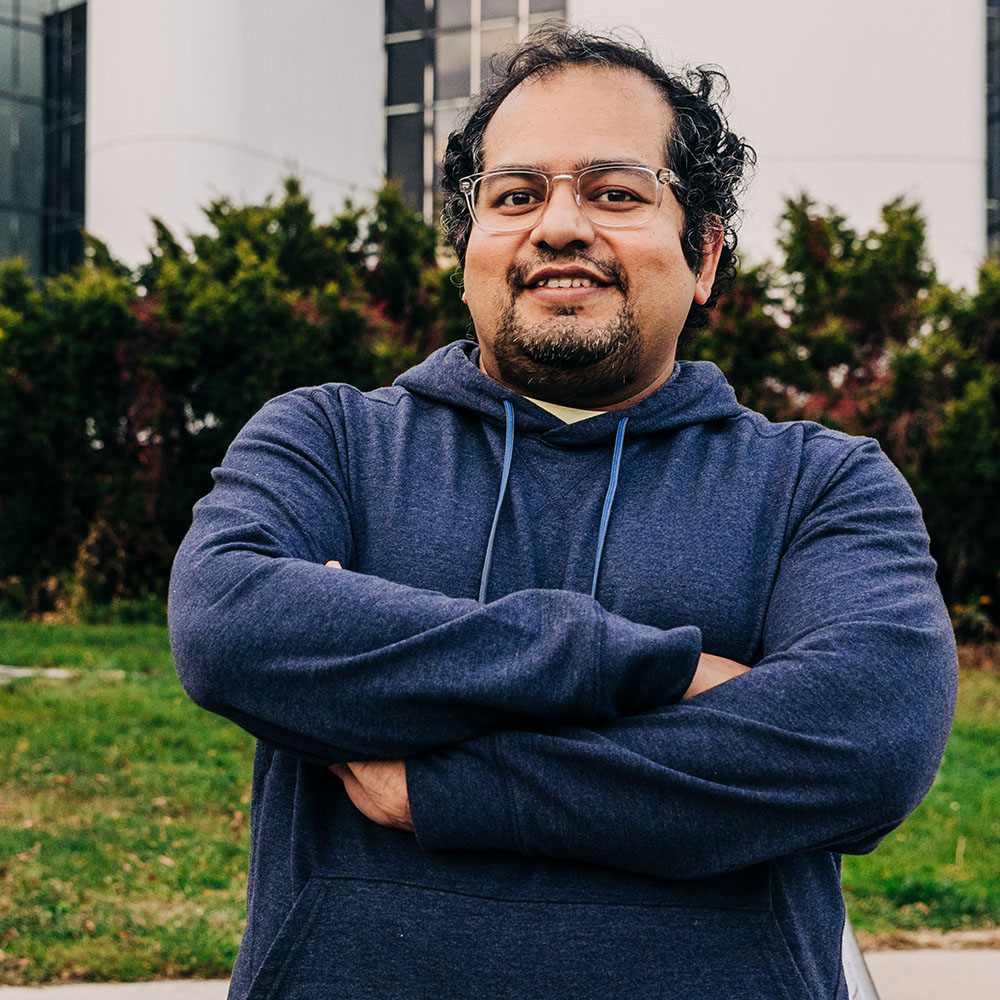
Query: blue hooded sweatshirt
x=522 y=605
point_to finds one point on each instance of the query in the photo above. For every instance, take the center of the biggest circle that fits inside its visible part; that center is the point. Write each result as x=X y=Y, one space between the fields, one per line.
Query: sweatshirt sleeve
x=829 y=742
x=337 y=665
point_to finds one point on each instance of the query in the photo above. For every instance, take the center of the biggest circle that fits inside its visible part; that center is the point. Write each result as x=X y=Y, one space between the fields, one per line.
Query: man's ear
x=714 y=242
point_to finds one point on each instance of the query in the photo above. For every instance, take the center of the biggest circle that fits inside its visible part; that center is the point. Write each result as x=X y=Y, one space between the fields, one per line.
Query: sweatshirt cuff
x=458 y=799
x=644 y=667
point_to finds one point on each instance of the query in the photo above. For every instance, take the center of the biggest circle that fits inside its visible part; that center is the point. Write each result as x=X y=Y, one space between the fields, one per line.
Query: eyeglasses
x=616 y=195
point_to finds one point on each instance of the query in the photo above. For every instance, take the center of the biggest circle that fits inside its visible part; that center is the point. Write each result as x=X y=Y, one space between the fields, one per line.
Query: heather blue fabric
x=580 y=832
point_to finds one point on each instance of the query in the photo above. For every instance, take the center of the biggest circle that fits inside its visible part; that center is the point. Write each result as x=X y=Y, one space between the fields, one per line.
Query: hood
x=696 y=393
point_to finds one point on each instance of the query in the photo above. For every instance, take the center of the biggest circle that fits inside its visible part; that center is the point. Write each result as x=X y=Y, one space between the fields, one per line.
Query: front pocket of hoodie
x=362 y=939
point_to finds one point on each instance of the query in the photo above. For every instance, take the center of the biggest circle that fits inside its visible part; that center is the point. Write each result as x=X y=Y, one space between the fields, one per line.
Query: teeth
x=565 y=283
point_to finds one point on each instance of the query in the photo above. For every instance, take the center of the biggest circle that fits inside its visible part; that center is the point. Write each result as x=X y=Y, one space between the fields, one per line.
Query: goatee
x=563 y=358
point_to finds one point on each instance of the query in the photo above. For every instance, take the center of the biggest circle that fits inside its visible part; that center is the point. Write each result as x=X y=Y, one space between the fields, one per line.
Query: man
x=492 y=626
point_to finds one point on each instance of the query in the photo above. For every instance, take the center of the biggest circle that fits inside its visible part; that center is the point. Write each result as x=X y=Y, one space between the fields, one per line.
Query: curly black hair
x=712 y=161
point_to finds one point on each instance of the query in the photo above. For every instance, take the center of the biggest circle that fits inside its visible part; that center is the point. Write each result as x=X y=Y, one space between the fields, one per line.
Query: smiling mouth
x=565 y=274
x=567 y=283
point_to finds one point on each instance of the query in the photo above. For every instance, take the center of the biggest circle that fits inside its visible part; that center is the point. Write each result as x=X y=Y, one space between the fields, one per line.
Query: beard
x=564 y=359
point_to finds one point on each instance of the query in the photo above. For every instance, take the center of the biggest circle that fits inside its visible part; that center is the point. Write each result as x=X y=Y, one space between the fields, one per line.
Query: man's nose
x=562 y=221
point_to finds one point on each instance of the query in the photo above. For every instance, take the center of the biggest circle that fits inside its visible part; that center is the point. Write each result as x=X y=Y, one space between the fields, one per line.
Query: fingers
x=362 y=800
x=378 y=790
x=333 y=564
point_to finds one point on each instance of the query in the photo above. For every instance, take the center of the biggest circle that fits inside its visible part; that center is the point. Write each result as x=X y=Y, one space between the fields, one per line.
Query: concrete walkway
x=936 y=974
x=180 y=989
x=930 y=974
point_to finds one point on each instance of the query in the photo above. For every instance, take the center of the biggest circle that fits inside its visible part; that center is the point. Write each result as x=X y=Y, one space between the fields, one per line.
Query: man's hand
x=712 y=671
x=378 y=790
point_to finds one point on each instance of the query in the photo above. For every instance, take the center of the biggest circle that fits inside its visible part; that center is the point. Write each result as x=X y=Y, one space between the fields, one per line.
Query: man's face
x=614 y=342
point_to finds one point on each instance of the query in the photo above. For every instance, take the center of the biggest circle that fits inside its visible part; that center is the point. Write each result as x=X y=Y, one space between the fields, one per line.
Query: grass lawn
x=941 y=868
x=123 y=817
x=123 y=813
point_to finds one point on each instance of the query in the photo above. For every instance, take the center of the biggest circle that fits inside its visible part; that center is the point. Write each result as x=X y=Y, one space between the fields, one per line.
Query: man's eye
x=614 y=196
x=518 y=199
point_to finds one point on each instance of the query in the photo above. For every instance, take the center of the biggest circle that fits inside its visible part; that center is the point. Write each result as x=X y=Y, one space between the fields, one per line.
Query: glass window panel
x=57 y=65
x=31 y=11
x=547 y=7
x=64 y=80
x=21 y=235
x=63 y=246
x=78 y=83
x=78 y=22
x=454 y=13
x=7 y=248
x=404 y=156
x=53 y=58
x=8 y=36
x=406 y=72
x=499 y=8
x=30 y=68
x=29 y=165
x=77 y=160
x=56 y=193
x=445 y=122
x=405 y=15
x=451 y=66
x=29 y=240
x=493 y=41
x=6 y=143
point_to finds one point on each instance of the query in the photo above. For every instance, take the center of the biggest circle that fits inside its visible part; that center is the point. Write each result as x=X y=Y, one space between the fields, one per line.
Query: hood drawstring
x=609 y=499
x=508 y=454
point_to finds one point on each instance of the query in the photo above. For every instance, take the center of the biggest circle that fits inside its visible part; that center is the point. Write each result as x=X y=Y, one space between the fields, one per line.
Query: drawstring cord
x=508 y=454
x=609 y=499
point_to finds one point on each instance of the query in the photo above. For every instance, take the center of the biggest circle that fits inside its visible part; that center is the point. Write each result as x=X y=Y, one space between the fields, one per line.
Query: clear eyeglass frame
x=469 y=186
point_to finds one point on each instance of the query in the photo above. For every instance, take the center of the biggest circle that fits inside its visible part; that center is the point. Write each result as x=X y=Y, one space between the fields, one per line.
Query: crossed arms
x=378 y=787
x=542 y=723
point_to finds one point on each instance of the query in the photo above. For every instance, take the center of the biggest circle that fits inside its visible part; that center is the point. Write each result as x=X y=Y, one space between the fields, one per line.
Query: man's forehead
x=579 y=115
x=581 y=163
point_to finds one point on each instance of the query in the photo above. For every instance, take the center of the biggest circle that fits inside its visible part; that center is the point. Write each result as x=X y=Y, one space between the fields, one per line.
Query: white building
x=854 y=103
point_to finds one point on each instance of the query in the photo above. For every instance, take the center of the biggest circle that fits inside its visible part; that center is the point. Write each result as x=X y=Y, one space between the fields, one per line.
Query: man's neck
x=588 y=406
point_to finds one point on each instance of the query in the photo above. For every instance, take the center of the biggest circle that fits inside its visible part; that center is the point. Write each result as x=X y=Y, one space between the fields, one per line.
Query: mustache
x=610 y=271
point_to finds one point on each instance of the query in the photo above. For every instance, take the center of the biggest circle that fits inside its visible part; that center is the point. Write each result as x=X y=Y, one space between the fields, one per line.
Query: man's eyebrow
x=602 y=161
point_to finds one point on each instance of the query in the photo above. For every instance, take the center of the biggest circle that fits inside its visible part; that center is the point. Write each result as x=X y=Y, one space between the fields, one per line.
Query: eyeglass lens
x=609 y=196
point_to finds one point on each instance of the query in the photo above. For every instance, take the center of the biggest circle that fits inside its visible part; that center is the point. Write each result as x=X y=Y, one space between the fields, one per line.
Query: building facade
x=993 y=124
x=437 y=54
x=184 y=101
x=43 y=50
